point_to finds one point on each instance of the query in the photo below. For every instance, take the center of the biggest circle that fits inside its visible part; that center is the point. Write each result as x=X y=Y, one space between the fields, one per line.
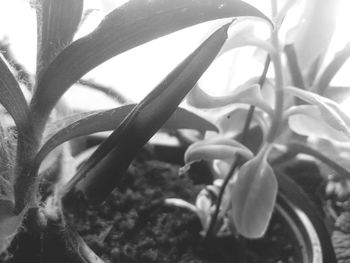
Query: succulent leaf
x=253 y=197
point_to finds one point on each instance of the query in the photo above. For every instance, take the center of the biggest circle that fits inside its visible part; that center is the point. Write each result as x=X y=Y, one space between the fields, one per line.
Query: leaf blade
x=108 y=120
x=12 y=97
x=253 y=197
x=126 y=27
x=57 y=21
x=118 y=150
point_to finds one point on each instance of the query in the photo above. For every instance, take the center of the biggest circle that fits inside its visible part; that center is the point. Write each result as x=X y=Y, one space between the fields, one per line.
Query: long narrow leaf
x=57 y=22
x=88 y=123
x=102 y=171
x=294 y=68
x=12 y=98
x=332 y=68
x=130 y=25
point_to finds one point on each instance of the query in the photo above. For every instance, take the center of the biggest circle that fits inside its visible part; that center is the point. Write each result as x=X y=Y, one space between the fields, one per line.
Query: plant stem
x=238 y=160
x=279 y=97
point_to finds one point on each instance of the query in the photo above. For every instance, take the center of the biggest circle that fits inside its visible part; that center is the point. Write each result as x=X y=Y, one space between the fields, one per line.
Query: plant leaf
x=247 y=94
x=57 y=22
x=118 y=150
x=217 y=148
x=92 y=122
x=128 y=26
x=294 y=68
x=253 y=197
x=337 y=93
x=12 y=98
x=331 y=112
x=332 y=68
x=309 y=121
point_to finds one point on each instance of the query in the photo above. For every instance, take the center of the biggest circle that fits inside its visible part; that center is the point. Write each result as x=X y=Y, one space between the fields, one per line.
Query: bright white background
x=135 y=72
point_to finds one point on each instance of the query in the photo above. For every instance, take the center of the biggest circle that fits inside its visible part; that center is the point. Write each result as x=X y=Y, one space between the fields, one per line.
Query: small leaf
x=95 y=179
x=128 y=26
x=12 y=98
x=332 y=68
x=92 y=122
x=57 y=22
x=253 y=197
x=217 y=148
x=247 y=94
x=309 y=121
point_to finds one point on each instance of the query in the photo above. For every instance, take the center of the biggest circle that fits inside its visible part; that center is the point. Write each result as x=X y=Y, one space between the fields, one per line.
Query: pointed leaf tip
x=118 y=150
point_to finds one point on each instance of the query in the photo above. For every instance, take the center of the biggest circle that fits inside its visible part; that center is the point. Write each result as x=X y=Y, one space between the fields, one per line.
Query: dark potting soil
x=134 y=226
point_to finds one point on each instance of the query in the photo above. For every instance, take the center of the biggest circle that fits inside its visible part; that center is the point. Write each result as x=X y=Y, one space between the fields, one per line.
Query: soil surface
x=134 y=226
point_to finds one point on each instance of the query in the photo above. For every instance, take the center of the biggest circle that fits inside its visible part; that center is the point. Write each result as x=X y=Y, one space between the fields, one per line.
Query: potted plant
x=248 y=185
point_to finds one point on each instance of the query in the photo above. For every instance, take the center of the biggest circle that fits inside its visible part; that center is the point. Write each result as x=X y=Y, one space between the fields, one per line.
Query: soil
x=133 y=225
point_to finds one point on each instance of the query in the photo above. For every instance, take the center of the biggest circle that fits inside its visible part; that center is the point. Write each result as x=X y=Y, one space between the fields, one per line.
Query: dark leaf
x=12 y=98
x=102 y=171
x=57 y=22
x=295 y=72
x=130 y=25
x=92 y=122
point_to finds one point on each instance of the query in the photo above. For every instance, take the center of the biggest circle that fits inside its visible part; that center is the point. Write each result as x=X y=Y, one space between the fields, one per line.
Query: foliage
x=288 y=107
x=61 y=63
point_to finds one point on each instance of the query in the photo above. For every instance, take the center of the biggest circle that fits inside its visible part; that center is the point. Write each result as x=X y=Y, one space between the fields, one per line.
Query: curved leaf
x=128 y=26
x=253 y=197
x=57 y=22
x=309 y=121
x=243 y=35
x=12 y=98
x=232 y=123
x=247 y=94
x=331 y=112
x=217 y=148
x=92 y=122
